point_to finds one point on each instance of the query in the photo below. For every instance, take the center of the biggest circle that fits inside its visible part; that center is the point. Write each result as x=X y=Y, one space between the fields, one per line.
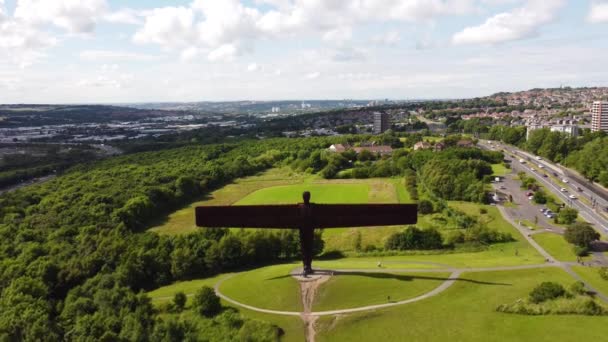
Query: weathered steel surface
x=318 y=215
x=306 y=217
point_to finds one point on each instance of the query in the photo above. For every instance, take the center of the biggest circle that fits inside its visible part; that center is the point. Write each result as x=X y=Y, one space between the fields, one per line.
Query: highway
x=586 y=211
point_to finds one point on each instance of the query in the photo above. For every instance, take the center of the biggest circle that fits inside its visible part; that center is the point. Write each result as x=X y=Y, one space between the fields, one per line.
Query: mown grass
x=591 y=275
x=467 y=312
x=269 y=287
x=320 y=193
x=355 y=289
x=182 y=221
x=500 y=170
x=555 y=244
x=165 y=294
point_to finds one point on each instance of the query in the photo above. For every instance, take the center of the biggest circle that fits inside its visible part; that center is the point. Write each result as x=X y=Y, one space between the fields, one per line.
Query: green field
x=466 y=312
x=555 y=244
x=354 y=289
x=591 y=275
x=320 y=193
x=269 y=287
x=500 y=170
x=165 y=294
x=282 y=185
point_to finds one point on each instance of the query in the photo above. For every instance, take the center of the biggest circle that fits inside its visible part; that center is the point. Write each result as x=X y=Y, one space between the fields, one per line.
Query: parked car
x=550 y=216
x=531 y=198
x=529 y=193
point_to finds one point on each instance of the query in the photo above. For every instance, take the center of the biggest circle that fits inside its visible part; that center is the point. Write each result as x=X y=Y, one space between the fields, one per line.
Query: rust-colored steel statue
x=306 y=217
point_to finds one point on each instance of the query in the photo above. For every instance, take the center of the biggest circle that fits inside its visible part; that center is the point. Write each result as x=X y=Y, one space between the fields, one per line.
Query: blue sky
x=104 y=51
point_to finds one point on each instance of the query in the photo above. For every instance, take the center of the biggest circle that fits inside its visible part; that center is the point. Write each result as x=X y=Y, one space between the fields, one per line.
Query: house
x=440 y=146
x=337 y=148
x=422 y=145
x=464 y=143
x=380 y=149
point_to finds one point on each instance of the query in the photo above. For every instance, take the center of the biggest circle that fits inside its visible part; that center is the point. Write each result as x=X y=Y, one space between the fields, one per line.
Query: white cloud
x=389 y=38
x=21 y=44
x=225 y=52
x=75 y=16
x=312 y=75
x=123 y=16
x=229 y=28
x=338 y=35
x=95 y=55
x=520 y=23
x=598 y=12
x=252 y=67
x=168 y=27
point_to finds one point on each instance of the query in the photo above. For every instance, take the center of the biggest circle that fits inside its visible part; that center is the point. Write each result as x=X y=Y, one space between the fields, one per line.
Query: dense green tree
x=179 y=301
x=567 y=215
x=581 y=234
x=206 y=302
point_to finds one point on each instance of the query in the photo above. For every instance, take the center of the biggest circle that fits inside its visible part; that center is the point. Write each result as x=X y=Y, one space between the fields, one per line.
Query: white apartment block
x=599 y=116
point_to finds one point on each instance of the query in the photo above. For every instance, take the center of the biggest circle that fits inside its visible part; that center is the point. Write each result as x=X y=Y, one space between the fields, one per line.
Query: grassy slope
x=591 y=275
x=321 y=193
x=556 y=246
x=269 y=288
x=355 y=289
x=182 y=221
x=466 y=312
x=166 y=293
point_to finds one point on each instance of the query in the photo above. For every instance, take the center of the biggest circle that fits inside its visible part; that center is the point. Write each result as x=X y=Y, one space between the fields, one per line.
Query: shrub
x=567 y=215
x=179 y=301
x=483 y=211
x=206 y=302
x=580 y=251
x=581 y=234
x=578 y=287
x=425 y=207
x=603 y=273
x=546 y=291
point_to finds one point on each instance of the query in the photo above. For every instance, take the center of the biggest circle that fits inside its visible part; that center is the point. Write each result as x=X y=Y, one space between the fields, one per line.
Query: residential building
x=568 y=129
x=422 y=145
x=381 y=122
x=380 y=149
x=599 y=116
x=337 y=148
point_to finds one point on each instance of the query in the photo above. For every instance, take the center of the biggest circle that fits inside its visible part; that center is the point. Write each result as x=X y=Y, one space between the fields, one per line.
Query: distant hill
x=36 y=115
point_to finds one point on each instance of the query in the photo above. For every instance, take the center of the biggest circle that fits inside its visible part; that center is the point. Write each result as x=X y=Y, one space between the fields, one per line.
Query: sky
x=107 y=51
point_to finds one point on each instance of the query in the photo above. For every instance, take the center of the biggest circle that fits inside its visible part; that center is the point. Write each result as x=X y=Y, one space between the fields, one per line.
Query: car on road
x=572 y=197
x=565 y=180
x=538 y=158
x=529 y=193
x=522 y=161
x=530 y=197
x=542 y=210
x=502 y=187
x=550 y=216
x=545 y=175
x=563 y=190
x=578 y=188
x=533 y=169
x=540 y=166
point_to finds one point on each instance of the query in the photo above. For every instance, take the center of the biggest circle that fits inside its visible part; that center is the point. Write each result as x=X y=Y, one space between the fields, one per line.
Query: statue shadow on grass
x=400 y=277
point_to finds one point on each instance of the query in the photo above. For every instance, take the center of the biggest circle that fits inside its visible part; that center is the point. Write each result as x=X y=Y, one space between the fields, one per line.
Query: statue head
x=306 y=197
